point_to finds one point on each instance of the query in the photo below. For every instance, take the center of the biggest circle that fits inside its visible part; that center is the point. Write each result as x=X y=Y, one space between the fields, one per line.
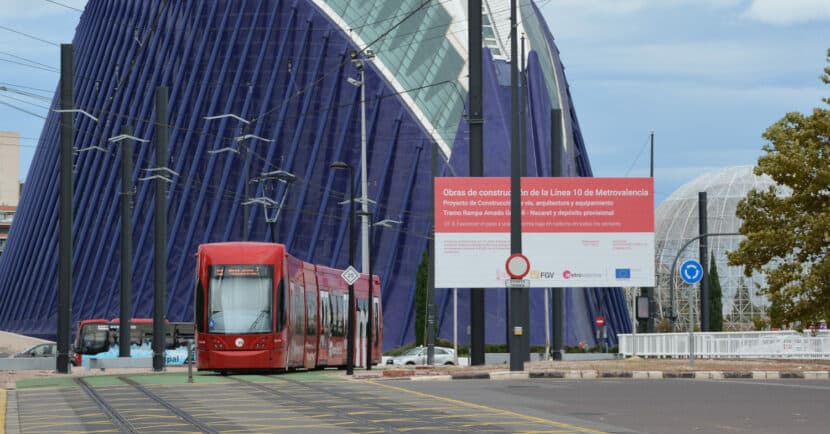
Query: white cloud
x=785 y=12
x=30 y=9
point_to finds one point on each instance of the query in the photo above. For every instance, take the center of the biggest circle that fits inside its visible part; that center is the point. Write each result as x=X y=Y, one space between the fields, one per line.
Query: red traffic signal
x=600 y=321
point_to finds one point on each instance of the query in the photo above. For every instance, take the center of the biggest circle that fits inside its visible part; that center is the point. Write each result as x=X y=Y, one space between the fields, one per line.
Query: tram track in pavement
x=123 y=425
x=128 y=424
x=340 y=414
x=363 y=402
x=170 y=406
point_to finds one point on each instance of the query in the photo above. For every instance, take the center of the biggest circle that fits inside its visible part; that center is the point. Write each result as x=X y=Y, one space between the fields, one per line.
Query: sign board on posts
x=577 y=232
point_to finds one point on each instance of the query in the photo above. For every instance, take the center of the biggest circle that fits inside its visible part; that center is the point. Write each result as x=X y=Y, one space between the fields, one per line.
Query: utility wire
x=22 y=110
x=29 y=36
x=326 y=75
x=64 y=5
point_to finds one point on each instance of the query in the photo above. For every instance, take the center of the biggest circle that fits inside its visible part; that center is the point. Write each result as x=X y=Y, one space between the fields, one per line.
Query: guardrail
x=28 y=364
x=713 y=345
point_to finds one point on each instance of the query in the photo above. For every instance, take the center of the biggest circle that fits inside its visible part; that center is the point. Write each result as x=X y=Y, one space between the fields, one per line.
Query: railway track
x=128 y=421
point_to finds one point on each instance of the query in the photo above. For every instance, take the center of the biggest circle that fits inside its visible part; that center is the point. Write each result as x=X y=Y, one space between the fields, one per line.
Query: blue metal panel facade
x=283 y=64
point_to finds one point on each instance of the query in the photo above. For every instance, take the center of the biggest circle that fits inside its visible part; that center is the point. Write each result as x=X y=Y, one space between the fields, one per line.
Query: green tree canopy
x=715 y=297
x=787 y=228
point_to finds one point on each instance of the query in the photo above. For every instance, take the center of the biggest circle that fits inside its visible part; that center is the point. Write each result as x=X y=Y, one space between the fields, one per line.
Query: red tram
x=259 y=308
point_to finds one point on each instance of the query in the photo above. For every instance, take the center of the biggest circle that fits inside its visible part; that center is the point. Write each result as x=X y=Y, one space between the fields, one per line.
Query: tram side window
x=200 y=306
x=311 y=313
x=281 y=306
x=375 y=319
x=297 y=309
x=338 y=315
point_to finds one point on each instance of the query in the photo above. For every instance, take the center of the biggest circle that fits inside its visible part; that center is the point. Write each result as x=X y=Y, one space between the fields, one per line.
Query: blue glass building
x=283 y=65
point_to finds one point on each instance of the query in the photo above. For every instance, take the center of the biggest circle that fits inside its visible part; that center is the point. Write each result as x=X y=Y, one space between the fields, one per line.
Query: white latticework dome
x=676 y=222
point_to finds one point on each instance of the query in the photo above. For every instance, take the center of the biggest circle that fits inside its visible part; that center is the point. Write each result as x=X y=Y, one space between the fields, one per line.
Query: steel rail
x=120 y=422
x=173 y=408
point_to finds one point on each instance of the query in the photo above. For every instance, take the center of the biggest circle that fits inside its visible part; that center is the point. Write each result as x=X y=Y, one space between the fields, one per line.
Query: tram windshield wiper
x=255 y=325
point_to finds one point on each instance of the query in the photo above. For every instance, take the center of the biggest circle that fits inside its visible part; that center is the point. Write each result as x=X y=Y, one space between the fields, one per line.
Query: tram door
x=311 y=317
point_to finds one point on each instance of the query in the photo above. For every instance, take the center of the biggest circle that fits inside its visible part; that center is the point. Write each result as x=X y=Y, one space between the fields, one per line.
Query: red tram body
x=259 y=308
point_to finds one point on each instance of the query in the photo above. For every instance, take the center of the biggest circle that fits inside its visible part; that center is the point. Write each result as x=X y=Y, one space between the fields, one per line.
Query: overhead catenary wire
x=64 y=5
x=29 y=36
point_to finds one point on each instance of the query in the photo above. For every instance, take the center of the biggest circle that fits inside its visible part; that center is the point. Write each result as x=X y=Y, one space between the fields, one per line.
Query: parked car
x=39 y=350
x=418 y=356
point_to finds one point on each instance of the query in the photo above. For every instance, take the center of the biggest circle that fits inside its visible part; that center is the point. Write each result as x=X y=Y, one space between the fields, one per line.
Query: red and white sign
x=600 y=322
x=517 y=266
x=577 y=232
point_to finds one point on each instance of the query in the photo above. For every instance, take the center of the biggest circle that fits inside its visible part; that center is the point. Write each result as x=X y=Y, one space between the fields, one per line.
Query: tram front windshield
x=240 y=299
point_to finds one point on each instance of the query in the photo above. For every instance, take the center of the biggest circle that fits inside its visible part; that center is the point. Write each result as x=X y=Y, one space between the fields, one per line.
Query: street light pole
x=340 y=165
x=369 y=323
x=360 y=64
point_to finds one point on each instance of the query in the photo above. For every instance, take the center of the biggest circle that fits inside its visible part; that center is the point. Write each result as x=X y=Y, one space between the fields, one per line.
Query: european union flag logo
x=623 y=273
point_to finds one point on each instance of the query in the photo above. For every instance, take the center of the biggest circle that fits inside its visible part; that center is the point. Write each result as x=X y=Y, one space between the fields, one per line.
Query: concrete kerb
x=635 y=375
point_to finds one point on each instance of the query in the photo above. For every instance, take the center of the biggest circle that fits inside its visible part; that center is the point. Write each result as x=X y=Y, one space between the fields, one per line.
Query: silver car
x=418 y=356
x=39 y=350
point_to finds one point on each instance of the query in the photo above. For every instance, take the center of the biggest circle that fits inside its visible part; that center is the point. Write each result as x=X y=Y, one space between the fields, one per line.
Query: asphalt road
x=653 y=406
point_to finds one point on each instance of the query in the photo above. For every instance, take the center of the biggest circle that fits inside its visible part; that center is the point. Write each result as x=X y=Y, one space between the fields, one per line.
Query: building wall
x=284 y=64
x=9 y=168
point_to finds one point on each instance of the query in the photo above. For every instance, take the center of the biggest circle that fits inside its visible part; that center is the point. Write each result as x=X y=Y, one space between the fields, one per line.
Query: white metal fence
x=783 y=344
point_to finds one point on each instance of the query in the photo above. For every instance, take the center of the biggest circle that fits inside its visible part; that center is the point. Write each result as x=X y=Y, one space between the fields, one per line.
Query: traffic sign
x=350 y=275
x=691 y=271
x=600 y=321
x=517 y=266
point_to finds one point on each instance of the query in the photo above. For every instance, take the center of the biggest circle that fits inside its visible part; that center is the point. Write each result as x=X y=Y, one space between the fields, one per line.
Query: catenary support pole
x=160 y=239
x=370 y=324
x=430 y=337
x=126 y=198
x=652 y=303
x=516 y=307
x=476 y=122
x=351 y=314
x=65 y=210
x=525 y=298
x=557 y=294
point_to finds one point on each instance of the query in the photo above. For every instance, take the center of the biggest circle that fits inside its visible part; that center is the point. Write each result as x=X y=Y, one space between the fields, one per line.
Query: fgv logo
x=536 y=274
x=623 y=273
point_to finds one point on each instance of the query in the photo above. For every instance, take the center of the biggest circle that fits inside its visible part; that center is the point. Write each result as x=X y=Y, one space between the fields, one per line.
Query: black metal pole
x=652 y=303
x=516 y=307
x=430 y=338
x=370 y=325
x=65 y=210
x=704 y=262
x=557 y=294
x=525 y=300
x=160 y=239
x=476 y=122
x=350 y=332
x=126 y=243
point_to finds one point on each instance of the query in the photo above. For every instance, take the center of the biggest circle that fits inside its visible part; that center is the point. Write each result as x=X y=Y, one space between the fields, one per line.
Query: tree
x=421 y=282
x=744 y=312
x=715 y=298
x=787 y=228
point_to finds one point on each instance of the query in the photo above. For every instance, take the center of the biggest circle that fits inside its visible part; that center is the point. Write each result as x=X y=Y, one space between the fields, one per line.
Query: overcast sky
x=707 y=75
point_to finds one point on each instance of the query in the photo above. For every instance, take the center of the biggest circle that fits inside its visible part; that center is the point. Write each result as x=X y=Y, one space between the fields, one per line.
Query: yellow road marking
x=466 y=415
x=356 y=413
x=395 y=419
x=484 y=407
x=89 y=432
x=2 y=411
